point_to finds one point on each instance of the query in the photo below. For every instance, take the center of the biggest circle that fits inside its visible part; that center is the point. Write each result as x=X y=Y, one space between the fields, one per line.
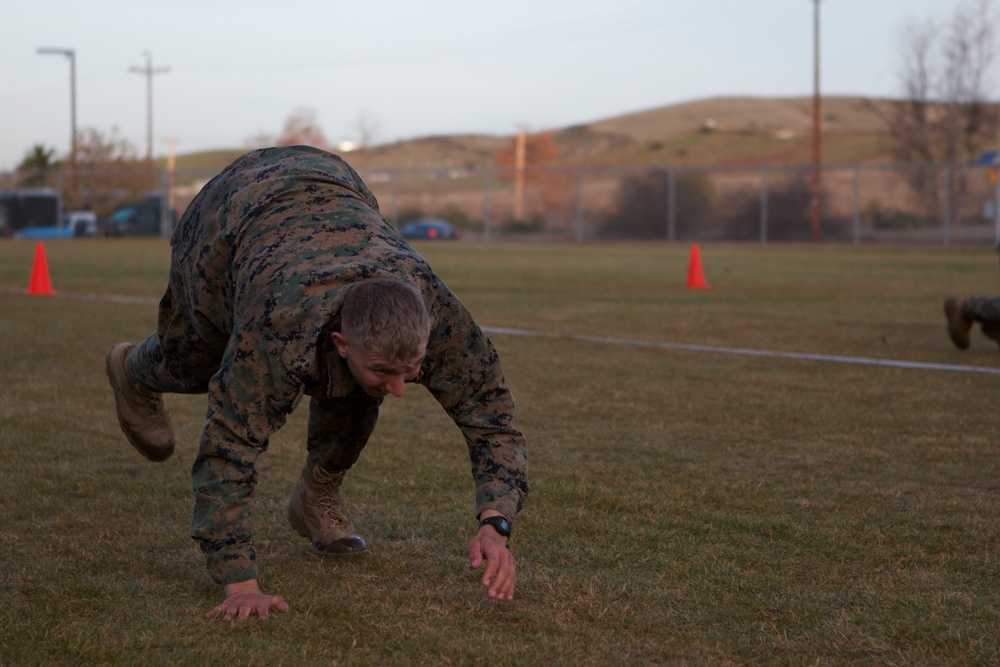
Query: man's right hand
x=244 y=599
x=490 y=547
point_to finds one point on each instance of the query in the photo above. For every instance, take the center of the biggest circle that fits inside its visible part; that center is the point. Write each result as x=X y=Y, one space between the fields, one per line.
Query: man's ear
x=340 y=341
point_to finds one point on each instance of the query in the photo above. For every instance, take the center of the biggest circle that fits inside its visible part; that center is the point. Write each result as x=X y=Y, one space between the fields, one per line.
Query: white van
x=80 y=223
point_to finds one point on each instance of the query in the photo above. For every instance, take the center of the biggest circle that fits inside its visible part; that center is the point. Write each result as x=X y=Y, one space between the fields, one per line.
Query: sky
x=235 y=70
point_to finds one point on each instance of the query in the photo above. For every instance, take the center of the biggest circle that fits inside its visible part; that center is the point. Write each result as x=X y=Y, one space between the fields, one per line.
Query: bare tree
x=915 y=116
x=968 y=59
x=107 y=171
x=367 y=127
x=302 y=128
x=946 y=116
x=99 y=149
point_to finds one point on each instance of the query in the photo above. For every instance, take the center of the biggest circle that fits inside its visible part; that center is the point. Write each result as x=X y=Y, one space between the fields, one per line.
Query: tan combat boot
x=959 y=323
x=316 y=511
x=141 y=414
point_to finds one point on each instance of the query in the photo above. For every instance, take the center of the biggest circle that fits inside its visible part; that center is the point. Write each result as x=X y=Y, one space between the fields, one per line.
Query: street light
x=817 y=187
x=71 y=54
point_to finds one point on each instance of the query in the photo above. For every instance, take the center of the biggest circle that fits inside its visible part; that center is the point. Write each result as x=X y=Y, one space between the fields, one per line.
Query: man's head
x=383 y=334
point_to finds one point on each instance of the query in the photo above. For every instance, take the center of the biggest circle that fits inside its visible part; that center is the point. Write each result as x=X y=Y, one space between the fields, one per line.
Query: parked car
x=429 y=228
x=73 y=224
x=44 y=232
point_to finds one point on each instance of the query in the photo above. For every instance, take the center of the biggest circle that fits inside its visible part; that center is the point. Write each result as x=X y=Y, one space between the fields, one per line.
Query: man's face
x=377 y=376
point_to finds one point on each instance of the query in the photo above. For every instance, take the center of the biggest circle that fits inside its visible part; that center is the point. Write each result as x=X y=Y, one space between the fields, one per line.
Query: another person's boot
x=317 y=512
x=141 y=414
x=992 y=330
x=959 y=322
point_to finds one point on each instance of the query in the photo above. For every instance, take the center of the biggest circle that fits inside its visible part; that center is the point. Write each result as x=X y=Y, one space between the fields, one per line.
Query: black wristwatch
x=499 y=523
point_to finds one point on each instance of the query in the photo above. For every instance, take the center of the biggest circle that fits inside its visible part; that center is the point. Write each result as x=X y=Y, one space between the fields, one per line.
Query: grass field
x=689 y=507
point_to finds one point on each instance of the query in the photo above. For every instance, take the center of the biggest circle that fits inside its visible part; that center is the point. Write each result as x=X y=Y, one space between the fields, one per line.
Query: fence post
x=579 y=206
x=671 y=206
x=857 y=204
x=392 y=199
x=486 y=203
x=166 y=210
x=763 y=205
x=59 y=201
x=947 y=204
x=996 y=207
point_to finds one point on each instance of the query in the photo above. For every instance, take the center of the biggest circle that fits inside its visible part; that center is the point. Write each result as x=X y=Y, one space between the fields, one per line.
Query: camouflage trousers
x=982 y=308
x=182 y=356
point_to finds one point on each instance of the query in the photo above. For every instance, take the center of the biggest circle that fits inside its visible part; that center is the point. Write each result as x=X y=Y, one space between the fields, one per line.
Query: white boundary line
x=863 y=361
x=752 y=353
x=114 y=298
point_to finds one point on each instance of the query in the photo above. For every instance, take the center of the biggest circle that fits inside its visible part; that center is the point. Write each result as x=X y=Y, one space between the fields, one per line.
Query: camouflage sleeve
x=983 y=308
x=466 y=378
x=248 y=400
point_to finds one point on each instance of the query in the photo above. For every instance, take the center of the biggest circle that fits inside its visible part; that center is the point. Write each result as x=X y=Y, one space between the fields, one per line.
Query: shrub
x=642 y=206
x=893 y=218
x=531 y=226
x=459 y=218
x=408 y=215
x=789 y=213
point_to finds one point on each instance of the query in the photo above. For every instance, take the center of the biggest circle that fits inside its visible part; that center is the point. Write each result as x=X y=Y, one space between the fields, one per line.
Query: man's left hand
x=490 y=547
x=244 y=599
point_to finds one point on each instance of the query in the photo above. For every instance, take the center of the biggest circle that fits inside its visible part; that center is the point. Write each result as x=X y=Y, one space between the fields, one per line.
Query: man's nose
x=395 y=386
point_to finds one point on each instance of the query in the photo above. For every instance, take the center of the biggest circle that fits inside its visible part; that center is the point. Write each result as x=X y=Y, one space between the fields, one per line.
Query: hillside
x=704 y=132
x=840 y=115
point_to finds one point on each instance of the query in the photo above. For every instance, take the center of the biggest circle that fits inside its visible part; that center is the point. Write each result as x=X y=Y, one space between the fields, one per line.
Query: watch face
x=501 y=524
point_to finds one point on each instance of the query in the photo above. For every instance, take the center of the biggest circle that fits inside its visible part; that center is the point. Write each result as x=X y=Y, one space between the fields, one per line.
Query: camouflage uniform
x=983 y=309
x=259 y=263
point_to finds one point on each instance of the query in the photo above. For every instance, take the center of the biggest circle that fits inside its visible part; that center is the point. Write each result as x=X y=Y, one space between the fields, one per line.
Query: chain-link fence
x=859 y=203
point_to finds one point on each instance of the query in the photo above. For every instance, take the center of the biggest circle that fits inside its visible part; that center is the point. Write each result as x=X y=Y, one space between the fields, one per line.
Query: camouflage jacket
x=264 y=252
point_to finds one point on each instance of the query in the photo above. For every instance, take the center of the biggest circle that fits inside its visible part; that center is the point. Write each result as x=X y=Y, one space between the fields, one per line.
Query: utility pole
x=71 y=54
x=149 y=71
x=171 y=167
x=817 y=134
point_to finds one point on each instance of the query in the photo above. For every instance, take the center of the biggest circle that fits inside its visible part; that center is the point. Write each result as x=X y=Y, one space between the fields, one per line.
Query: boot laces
x=152 y=403
x=147 y=401
x=329 y=484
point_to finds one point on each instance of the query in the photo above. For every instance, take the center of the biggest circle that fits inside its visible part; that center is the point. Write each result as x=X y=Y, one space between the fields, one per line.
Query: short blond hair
x=387 y=317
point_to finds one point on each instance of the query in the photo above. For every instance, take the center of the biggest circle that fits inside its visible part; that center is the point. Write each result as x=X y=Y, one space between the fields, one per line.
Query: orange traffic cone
x=696 y=276
x=40 y=284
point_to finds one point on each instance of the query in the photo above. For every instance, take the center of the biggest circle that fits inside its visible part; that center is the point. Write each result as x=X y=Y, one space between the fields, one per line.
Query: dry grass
x=688 y=508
